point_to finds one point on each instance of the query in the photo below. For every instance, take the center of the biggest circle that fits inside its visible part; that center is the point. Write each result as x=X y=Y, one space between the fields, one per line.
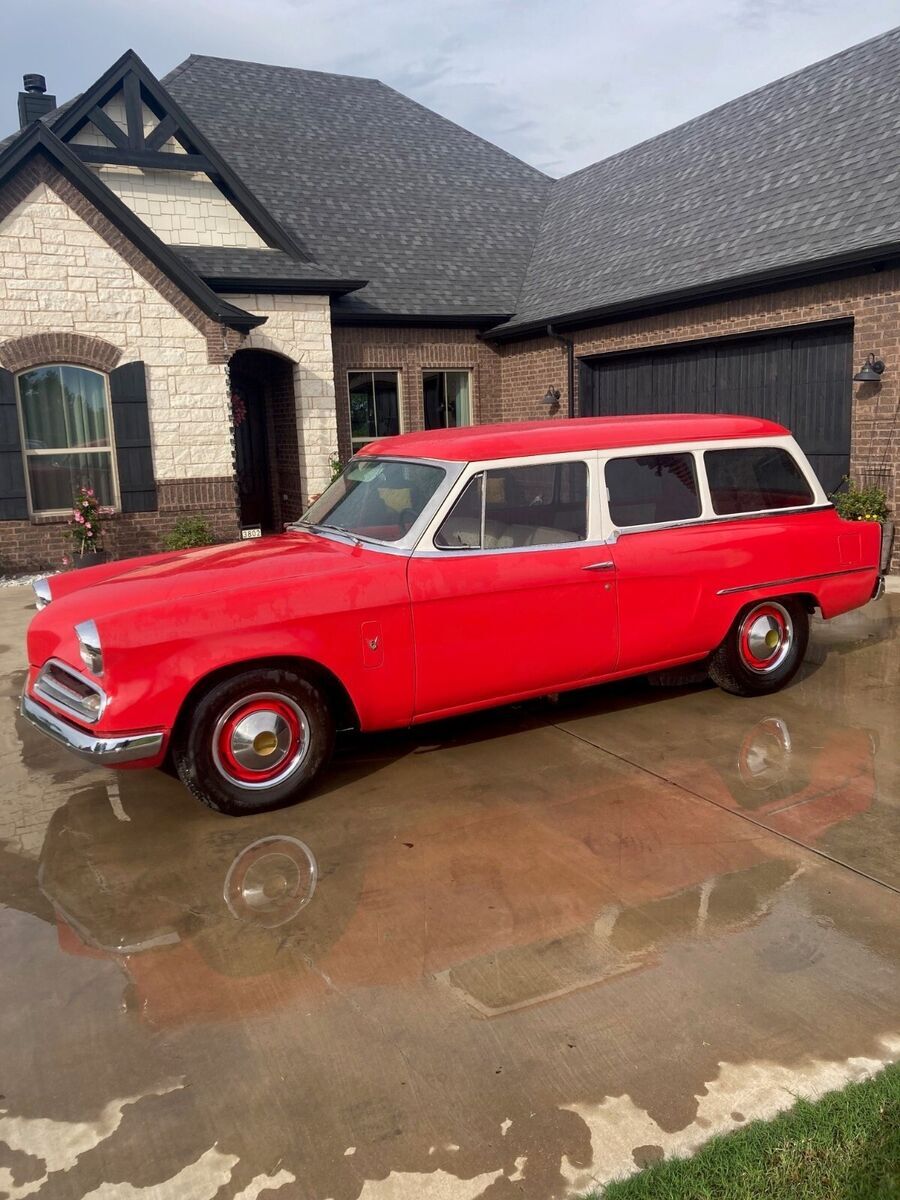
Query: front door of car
x=510 y=596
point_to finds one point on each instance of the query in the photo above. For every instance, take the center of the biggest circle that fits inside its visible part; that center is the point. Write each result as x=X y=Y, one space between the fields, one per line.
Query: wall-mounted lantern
x=871 y=371
x=551 y=398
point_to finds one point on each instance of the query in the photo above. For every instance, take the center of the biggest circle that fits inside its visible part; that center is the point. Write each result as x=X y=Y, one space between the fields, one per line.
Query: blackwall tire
x=764 y=648
x=255 y=741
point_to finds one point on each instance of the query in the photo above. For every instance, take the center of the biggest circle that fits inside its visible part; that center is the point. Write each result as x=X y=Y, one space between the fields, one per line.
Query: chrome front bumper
x=96 y=748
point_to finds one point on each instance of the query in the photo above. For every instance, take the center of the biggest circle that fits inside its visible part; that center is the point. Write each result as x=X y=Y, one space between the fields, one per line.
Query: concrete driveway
x=502 y=957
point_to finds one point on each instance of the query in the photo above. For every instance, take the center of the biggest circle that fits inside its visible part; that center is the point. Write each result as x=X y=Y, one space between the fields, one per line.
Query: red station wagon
x=444 y=572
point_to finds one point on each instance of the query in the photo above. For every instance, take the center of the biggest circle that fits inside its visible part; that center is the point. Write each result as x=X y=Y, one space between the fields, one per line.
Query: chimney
x=34 y=102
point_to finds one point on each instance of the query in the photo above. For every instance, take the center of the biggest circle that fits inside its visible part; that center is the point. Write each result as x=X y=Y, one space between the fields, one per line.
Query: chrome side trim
x=42 y=593
x=751 y=587
x=109 y=750
x=69 y=701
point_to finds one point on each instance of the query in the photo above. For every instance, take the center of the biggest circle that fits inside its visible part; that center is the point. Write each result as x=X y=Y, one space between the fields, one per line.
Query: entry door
x=251 y=450
x=512 y=598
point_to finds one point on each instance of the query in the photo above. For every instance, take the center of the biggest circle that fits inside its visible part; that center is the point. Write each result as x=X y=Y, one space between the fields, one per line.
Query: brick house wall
x=871 y=301
x=412 y=351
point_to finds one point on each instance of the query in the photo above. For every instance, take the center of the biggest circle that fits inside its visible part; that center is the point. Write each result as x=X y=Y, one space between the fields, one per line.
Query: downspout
x=570 y=366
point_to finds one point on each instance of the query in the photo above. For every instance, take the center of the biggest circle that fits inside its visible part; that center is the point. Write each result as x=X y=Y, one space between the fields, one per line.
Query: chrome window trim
x=403 y=546
x=58 y=697
x=618 y=532
x=477 y=552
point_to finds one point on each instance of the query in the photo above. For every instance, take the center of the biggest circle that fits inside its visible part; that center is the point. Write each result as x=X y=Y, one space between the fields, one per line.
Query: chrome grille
x=70 y=691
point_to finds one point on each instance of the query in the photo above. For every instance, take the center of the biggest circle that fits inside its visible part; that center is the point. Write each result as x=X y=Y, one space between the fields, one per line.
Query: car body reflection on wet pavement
x=500 y=957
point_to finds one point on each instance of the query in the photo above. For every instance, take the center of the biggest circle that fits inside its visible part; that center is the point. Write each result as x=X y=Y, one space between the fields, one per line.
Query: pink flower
x=90 y=533
x=89 y=491
x=65 y=561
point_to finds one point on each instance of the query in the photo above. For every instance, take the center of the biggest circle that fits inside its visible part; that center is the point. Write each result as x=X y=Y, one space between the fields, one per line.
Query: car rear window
x=651 y=489
x=514 y=507
x=755 y=478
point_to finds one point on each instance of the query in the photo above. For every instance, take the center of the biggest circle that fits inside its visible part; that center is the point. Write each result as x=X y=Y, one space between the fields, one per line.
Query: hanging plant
x=238 y=409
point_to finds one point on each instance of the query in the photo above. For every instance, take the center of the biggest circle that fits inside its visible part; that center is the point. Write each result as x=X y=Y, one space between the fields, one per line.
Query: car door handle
x=608 y=565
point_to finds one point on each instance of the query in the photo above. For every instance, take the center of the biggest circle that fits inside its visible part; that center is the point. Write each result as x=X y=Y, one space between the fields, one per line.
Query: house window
x=651 y=489
x=66 y=433
x=374 y=405
x=447 y=396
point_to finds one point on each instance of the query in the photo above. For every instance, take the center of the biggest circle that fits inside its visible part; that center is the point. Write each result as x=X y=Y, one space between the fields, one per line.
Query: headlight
x=89 y=645
x=42 y=596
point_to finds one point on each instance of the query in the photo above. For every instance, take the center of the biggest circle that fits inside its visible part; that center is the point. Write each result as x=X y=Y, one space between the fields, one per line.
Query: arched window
x=67 y=436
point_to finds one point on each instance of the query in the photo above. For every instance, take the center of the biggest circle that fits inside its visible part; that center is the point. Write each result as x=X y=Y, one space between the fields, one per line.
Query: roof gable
x=154 y=132
x=36 y=140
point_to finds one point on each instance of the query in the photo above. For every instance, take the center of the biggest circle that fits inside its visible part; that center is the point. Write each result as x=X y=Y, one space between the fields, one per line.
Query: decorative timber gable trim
x=37 y=156
x=137 y=147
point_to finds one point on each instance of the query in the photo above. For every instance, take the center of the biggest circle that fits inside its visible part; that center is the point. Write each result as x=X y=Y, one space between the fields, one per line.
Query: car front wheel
x=763 y=649
x=255 y=741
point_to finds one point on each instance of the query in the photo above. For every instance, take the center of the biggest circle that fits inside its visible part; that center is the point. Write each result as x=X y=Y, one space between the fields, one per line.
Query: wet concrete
x=500 y=957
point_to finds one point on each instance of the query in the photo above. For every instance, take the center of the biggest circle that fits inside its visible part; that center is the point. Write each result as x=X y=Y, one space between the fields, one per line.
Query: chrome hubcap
x=766 y=637
x=260 y=740
x=270 y=881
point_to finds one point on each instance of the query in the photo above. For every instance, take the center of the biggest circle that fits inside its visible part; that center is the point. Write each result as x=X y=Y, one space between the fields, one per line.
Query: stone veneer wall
x=412 y=351
x=299 y=329
x=65 y=270
x=872 y=301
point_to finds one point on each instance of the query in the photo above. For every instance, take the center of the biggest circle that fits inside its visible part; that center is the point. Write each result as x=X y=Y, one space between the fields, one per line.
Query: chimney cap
x=35 y=83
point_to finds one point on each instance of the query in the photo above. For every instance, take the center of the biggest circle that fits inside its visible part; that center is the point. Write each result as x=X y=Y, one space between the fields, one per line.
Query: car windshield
x=379 y=498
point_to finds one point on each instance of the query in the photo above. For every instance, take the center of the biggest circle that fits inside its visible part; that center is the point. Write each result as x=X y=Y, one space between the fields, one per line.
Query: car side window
x=755 y=478
x=652 y=489
x=516 y=507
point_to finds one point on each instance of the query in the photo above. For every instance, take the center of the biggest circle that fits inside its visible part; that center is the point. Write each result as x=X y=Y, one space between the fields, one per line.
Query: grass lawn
x=845 y=1146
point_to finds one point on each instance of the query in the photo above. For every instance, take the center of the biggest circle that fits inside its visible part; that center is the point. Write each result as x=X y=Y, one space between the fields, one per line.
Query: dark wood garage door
x=801 y=379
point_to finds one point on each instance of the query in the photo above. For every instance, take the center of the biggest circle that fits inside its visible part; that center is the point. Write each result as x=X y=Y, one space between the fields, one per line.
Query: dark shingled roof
x=800 y=172
x=236 y=269
x=437 y=219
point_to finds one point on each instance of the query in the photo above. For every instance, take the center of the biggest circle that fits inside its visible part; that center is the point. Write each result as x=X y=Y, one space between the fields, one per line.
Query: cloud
x=560 y=84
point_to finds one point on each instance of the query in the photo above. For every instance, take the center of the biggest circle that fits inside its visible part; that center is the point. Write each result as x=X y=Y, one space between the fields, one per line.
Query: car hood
x=185 y=574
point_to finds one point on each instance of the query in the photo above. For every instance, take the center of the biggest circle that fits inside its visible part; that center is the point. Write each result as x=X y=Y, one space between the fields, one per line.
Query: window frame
x=708 y=515
x=447 y=371
x=111 y=449
x=358 y=443
x=427 y=547
x=750 y=512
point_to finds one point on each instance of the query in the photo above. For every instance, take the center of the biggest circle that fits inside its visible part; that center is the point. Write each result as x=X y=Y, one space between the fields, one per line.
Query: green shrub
x=188 y=532
x=336 y=467
x=860 y=504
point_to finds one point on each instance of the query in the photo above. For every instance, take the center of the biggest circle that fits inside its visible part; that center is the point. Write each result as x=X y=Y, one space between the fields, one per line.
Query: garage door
x=800 y=379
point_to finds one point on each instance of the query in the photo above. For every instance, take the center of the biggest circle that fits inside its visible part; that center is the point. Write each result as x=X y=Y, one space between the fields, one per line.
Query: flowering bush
x=85 y=528
x=860 y=504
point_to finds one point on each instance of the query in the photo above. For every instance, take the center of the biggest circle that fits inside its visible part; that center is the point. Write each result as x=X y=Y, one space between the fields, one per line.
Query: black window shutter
x=13 y=497
x=131 y=424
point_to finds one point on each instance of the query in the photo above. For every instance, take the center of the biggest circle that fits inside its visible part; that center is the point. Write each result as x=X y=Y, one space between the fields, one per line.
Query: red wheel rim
x=260 y=740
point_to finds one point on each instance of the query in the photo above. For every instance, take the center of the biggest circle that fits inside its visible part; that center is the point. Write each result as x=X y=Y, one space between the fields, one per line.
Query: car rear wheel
x=763 y=649
x=255 y=741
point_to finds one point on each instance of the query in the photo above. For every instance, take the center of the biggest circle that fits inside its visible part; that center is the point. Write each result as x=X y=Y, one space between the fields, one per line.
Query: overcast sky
x=559 y=84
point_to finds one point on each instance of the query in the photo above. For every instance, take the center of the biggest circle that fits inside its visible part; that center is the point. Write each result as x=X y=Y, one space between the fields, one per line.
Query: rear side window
x=754 y=478
x=652 y=489
x=515 y=507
